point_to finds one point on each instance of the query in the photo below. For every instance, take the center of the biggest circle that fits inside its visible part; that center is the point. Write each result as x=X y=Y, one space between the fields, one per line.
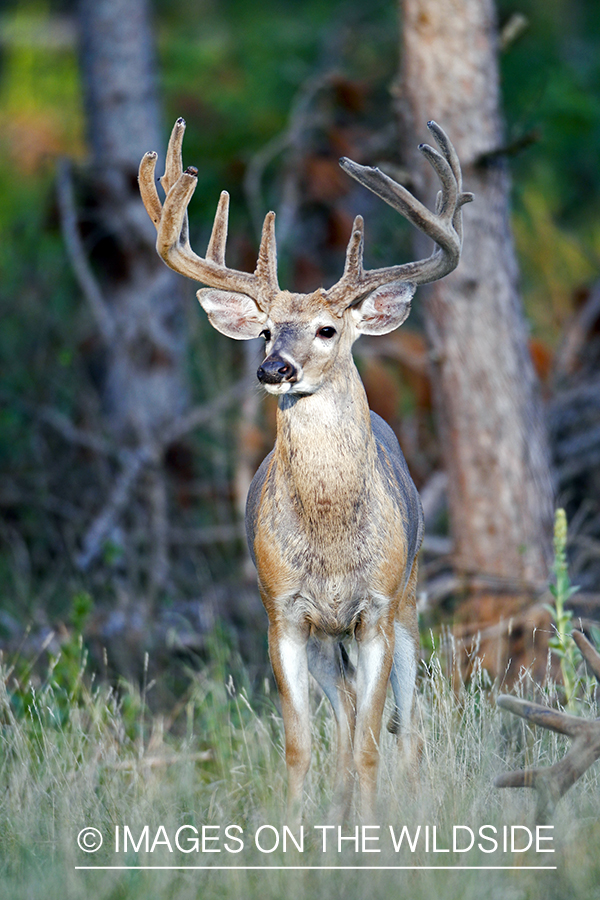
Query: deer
x=333 y=519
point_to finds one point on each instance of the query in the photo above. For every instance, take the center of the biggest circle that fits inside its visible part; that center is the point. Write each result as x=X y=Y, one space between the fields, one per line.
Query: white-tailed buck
x=334 y=521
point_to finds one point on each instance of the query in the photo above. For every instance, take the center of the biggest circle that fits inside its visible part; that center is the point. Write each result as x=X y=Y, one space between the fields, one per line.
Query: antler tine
x=353 y=268
x=349 y=289
x=444 y=225
x=147 y=184
x=450 y=188
x=173 y=245
x=392 y=193
x=174 y=159
x=266 y=265
x=218 y=237
x=172 y=242
x=447 y=148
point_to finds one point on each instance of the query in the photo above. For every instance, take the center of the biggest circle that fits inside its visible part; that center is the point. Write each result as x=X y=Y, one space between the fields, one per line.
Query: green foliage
x=561 y=643
x=40 y=117
x=551 y=79
x=551 y=84
x=67 y=683
x=67 y=669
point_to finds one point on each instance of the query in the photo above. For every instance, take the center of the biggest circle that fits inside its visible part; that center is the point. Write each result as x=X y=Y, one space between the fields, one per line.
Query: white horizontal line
x=316 y=868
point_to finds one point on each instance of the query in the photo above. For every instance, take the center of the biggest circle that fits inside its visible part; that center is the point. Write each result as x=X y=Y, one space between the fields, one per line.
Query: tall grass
x=74 y=755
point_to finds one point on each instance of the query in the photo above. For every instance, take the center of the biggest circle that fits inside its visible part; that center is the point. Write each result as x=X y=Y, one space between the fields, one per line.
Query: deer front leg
x=287 y=650
x=328 y=663
x=375 y=653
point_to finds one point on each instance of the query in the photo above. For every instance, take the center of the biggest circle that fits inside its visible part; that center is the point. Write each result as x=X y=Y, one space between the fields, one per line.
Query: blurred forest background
x=129 y=429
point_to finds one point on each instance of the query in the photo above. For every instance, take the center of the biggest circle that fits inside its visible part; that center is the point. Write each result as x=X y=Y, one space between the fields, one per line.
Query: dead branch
x=552 y=782
x=105 y=521
x=584 y=442
x=567 y=407
x=77 y=255
x=133 y=463
x=512 y=30
x=212 y=534
x=577 y=333
x=586 y=462
x=301 y=119
x=481 y=583
x=159 y=527
x=434 y=495
x=74 y=435
x=201 y=414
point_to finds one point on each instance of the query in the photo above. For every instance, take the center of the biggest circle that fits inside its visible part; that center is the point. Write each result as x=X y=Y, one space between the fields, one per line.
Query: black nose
x=274 y=370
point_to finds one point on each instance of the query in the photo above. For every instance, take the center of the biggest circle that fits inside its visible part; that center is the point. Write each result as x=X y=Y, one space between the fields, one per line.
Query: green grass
x=75 y=755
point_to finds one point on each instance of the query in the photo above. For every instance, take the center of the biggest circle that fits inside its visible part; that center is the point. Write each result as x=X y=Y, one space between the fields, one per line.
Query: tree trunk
x=491 y=424
x=145 y=386
x=137 y=301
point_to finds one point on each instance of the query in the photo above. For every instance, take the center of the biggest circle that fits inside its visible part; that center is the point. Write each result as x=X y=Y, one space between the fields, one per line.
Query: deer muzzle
x=276 y=370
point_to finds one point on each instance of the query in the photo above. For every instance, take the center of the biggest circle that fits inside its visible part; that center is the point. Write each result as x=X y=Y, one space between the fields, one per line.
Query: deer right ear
x=385 y=309
x=233 y=314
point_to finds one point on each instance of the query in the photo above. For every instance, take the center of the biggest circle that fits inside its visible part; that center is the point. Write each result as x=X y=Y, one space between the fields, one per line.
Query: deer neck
x=325 y=449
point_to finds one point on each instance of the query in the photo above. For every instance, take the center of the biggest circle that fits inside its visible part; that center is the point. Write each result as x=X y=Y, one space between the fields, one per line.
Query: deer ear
x=235 y=315
x=384 y=309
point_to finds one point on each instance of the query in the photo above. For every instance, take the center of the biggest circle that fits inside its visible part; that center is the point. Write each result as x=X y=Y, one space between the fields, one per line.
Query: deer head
x=306 y=334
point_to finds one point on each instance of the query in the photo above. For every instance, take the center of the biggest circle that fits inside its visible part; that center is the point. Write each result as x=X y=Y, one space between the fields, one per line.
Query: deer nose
x=274 y=370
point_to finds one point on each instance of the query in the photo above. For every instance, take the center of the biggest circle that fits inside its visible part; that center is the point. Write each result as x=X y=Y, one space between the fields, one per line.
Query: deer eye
x=266 y=334
x=327 y=332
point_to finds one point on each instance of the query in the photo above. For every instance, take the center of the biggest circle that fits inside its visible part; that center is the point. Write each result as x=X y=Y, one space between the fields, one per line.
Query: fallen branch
x=74 y=435
x=552 y=782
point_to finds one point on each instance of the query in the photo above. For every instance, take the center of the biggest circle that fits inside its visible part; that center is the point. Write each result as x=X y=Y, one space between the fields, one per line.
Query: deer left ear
x=233 y=314
x=385 y=309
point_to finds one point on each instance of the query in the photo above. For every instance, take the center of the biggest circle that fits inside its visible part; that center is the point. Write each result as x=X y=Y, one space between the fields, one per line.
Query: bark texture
x=145 y=386
x=490 y=417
